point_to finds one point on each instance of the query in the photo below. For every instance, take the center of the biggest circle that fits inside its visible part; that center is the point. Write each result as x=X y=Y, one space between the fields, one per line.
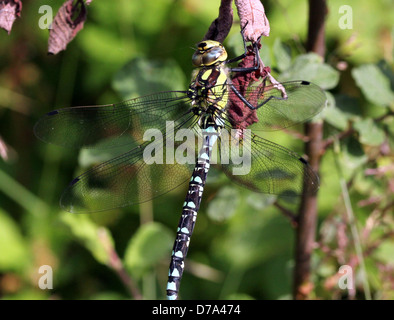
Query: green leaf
x=141 y=76
x=353 y=156
x=260 y=201
x=332 y=114
x=340 y=110
x=374 y=84
x=148 y=246
x=310 y=67
x=282 y=54
x=386 y=68
x=371 y=133
x=223 y=206
x=348 y=106
x=368 y=185
x=385 y=252
x=88 y=234
x=14 y=251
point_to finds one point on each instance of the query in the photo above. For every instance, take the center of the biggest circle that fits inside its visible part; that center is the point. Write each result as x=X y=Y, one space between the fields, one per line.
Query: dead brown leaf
x=9 y=11
x=68 y=21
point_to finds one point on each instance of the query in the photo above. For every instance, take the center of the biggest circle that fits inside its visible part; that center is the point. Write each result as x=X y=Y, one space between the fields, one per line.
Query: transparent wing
x=304 y=100
x=125 y=122
x=139 y=175
x=130 y=178
x=266 y=167
x=120 y=123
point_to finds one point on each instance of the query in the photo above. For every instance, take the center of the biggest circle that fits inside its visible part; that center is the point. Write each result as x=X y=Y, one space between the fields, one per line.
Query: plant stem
x=307 y=219
x=117 y=265
x=353 y=228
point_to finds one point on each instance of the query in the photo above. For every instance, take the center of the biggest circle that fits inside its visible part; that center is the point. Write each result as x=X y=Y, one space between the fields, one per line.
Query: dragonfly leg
x=240 y=57
x=248 y=104
x=256 y=60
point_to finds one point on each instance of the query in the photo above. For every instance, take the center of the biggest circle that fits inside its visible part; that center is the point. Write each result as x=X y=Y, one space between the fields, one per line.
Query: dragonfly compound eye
x=208 y=53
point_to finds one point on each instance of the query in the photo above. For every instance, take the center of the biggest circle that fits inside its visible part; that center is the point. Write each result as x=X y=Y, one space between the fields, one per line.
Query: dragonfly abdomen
x=189 y=213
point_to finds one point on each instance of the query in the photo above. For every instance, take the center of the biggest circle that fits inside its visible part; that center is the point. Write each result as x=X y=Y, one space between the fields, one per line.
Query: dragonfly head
x=208 y=53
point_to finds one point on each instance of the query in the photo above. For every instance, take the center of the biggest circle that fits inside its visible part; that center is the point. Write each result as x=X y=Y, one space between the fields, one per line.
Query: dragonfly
x=174 y=137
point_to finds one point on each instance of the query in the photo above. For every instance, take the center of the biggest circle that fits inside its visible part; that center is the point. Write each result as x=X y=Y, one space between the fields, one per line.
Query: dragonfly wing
x=269 y=168
x=117 y=124
x=274 y=111
x=134 y=177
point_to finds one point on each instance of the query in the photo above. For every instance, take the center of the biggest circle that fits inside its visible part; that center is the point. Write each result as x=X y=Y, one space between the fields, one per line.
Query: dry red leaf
x=9 y=11
x=241 y=115
x=68 y=21
x=254 y=24
x=253 y=18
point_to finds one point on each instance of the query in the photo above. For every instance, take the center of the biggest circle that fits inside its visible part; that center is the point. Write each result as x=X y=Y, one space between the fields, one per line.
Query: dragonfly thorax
x=209 y=84
x=208 y=90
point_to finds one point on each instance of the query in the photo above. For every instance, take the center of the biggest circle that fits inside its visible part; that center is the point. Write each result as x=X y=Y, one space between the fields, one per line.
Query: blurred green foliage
x=242 y=247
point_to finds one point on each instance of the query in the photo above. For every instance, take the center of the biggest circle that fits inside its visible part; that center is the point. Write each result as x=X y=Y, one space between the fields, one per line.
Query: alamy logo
x=345 y=281
x=346 y=20
x=45 y=21
x=46 y=280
